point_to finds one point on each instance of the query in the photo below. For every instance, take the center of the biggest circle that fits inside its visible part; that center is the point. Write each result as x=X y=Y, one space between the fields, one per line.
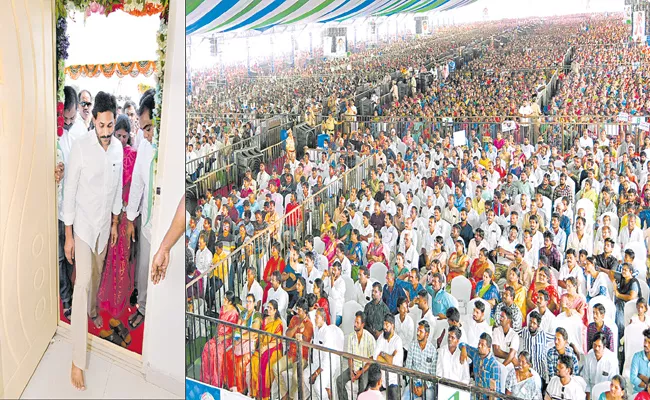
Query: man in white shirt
x=564 y=385
x=389 y=350
x=404 y=324
x=448 y=363
x=335 y=288
x=492 y=230
x=252 y=287
x=278 y=294
x=631 y=233
x=140 y=204
x=476 y=325
x=601 y=364
x=92 y=205
x=346 y=266
x=546 y=324
x=505 y=342
x=324 y=365
x=203 y=256
x=73 y=129
x=263 y=177
x=363 y=286
x=309 y=272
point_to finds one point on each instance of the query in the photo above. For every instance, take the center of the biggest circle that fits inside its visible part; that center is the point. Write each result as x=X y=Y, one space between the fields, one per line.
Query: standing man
x=85 y=106
x=423 y=357
x=389 y=350
x=91 y=208
x=360 y=343
x=142 y=188
x=73 y=129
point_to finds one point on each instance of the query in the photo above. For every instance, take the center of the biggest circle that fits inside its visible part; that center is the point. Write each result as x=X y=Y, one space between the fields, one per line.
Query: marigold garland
x=133 y=69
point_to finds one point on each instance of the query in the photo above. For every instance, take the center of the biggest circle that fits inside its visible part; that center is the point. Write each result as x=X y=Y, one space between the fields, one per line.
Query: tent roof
x=216 y=16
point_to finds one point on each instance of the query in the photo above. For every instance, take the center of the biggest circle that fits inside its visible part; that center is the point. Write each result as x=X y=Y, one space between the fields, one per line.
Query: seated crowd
x=526 y=262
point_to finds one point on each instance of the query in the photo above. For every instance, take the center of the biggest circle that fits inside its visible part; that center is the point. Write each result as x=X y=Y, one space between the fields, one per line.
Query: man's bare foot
x=77 y=378
x=98 y=321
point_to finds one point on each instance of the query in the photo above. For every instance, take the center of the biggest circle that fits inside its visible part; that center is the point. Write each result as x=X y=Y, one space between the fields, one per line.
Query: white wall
x=164 y=337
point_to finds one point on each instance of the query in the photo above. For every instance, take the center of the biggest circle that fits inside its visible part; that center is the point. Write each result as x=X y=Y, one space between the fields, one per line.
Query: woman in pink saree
x=218 y=357
x=118 y=277
x=375 y=251
x=329 y=238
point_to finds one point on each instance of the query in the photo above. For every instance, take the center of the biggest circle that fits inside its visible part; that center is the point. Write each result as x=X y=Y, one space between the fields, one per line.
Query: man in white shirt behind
x=140 y=204
x=252 y=287
x=278 y=294
x=92 y=204
x=449 y=365
x=389 y=350
x=364 y=286
x=476 y=325
x=335 y=288
x=601 y=364
x=73 y=129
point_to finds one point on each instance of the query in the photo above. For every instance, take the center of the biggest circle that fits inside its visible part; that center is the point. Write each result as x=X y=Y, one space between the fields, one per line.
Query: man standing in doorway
x=92 y=199
x=142 y=188
x=73 y=129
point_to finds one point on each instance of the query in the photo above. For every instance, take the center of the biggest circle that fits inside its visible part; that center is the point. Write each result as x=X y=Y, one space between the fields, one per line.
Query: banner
x=341 y=46
x=327 y=46
x=623 y=117
x=460 y=139
x=195 y=390
x=638 y=25
x=449 y=393
x=645 y=126
x=507 y=126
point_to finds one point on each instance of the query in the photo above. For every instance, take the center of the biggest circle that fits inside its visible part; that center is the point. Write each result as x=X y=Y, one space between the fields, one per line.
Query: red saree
x=118 y=277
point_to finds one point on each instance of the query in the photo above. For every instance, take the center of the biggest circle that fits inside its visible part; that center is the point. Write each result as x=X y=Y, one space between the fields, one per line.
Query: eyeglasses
x=86 y=104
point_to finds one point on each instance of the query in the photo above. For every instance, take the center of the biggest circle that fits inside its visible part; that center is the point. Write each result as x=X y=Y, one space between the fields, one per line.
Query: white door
x=28 y=230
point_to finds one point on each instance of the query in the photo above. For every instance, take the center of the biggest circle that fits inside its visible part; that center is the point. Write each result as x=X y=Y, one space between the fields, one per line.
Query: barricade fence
x=205 y=292
x=256 y=363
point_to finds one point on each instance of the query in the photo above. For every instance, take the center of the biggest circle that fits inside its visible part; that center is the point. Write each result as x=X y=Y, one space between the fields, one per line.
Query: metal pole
x=248 y=55
x=272 y=61
x=311 y=46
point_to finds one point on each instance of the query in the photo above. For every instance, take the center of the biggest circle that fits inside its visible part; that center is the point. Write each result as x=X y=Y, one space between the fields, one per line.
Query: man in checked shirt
x=484 y=364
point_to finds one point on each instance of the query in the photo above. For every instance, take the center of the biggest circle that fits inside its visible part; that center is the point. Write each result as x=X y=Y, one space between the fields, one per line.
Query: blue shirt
x=390 y=298
x=413 y=293
x=640 y=365
x=193 y=236
x=485 y=369
x=440 y=302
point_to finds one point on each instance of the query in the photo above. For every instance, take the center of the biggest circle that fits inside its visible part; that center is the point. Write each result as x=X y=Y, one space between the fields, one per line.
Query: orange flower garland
x=132 y=69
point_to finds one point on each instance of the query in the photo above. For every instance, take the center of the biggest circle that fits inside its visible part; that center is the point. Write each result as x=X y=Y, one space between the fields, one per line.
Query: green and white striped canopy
x=214 y=16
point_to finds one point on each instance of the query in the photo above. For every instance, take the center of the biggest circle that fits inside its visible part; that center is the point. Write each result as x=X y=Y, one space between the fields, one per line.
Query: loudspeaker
x=402 y=89
x=366 y=106
x=247 y=158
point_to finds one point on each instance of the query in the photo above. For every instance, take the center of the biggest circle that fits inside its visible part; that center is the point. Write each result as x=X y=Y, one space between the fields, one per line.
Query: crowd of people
x=524 y=259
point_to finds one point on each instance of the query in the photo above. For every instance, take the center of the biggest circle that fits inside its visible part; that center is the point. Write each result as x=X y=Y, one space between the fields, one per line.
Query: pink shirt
x=371 y=395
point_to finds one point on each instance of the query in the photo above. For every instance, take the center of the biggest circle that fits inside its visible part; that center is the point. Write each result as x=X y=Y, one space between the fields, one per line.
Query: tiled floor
x=105 y=379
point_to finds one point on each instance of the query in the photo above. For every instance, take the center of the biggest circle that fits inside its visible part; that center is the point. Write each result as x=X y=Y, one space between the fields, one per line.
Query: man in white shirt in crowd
x=252 y=287
x=547 y=316
x=92 y=204
x=404 y=324
x=389 y=350
x=263 y=177
x=140 y=204
x=363 y=286
x=448 y=363
x=309 y=271
x=73 y=129
x=278 y=294
x=346 y=266
x=491 y=230
x=323 y=364
x=564 y=385
x=335 y=288
x=85 y=106
x=505 y=343
x=601 y=364
x=203 y=258
x=476 y=325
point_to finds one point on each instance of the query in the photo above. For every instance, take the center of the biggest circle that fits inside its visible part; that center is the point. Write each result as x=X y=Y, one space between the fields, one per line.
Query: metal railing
x=305 y=219
x=252 y=361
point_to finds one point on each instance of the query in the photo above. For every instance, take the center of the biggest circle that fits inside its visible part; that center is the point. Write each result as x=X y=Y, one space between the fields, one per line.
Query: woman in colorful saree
x=479 y=266
x=327 y=224
x=487 y=289
x=118 y=278
x=246 y=342
x=513 y=279
x=269 y=351
x=458 y=261
x=541 y=282
x=275 y=263
x=329 y=238
x=375 y=251
x=218 y=352
x=321 y=297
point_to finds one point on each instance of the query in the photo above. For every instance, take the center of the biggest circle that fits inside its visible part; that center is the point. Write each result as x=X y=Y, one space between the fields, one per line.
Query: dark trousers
x=65 y=271
x=344 y=378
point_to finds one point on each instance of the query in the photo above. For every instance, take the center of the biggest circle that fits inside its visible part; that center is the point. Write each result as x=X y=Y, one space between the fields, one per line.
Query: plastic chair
x=613 y=218
x=488 y=307
x=378 y=272
x=629 y=311
x=319 y=245
x=350 y=308
x=640 y=255
x=633 y=338
x=324 y=263
x=599 y=389
x=351 y=291
x=461 y=289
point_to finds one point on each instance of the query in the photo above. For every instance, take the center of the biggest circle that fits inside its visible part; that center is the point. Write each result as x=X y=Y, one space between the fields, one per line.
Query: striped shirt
x=552 y=358
x=537 y=346
x=364 y=348
x=422 y=360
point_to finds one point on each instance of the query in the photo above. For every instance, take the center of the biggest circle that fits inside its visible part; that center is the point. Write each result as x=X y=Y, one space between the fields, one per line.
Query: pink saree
x=218 y=357
x=118 y=277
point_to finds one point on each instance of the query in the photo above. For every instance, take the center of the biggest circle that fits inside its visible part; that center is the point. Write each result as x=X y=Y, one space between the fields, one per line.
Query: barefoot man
x=92 y=203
